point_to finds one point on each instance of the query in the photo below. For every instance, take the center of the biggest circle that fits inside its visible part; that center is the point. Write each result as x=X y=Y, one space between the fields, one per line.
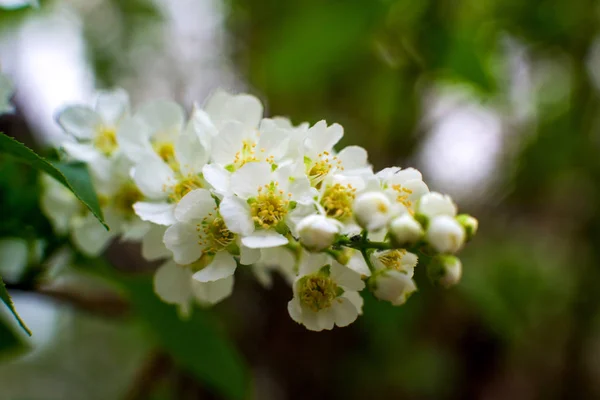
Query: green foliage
x=8 y=301
x=73 y=176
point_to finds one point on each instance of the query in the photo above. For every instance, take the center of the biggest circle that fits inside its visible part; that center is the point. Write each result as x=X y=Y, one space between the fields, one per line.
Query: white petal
x=312 y=262
x=172 y=283
x=322 y=138
x=356 y=300
x=353 y=157
x=264 y=239
x=162 y=116
x=222 y=106
x=249 y=256
x=90 y=236
x=152 y=176
x=182 y=240
x=210 y=293
x=191 y=154
x=246 y=180
x=202 y=126
x=405 y=175
x=326 y=319
x=358 y=264
x=158 y=213
x=236 y=214
x=134 y=139
x=153 y=247
x=113 y=106
x=195 y=205
x=79 y=121
x=295 y=310
x=134 y=229
x=222 y=266
x=344 y=312
x=273 y=139
x=218 y=177
x=346 y=277
x=228 y=143
x=82 y=151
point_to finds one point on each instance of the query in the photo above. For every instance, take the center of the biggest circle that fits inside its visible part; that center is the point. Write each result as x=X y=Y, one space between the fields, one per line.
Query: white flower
x=261 y=201
x=373 y=210
x=95 y=130
x=336 y=198
x=165 y=183
x=174 y=284
x=325 y=293
x=434 y=204
x=6 y=91
x=393 y=286
x=318 y=232
x=321 y=161
x=445 y=234
x=275 y=259
x=404 y=186
x=200 y=234
x=153 y=247
x=405 y=230
x=445 y=270
x=395 y=259
x=223 y=107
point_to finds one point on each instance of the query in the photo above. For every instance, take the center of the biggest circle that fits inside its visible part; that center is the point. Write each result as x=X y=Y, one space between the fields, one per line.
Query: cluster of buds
x=225 y=188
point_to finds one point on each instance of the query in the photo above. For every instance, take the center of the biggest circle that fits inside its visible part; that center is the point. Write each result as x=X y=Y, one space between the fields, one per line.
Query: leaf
x=8 y=301
x=74 y=176
x=195 y=343
x=10 y=341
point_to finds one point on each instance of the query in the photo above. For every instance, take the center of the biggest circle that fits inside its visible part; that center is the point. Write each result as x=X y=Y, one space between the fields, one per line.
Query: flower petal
x=264 y=239
x=153 y=247
x=222 y=266
x=172 y=283
x=210 y=293
x=81 y=151
x=182 y=239
x=236 y=214
x=228 y=143
x=190 y=153
x=249 y=256
x=346 y=277
x=152 y=176
x=344 y=312
x=90 y=236
x=246 y=180
x=162 y=116
x=218 y=177
x=321 y=138
x=113 y=106
x=353 y=157
x=159 y=213
x=134 y=139
x=222 y=106
x=195 y=205
x=80 y=121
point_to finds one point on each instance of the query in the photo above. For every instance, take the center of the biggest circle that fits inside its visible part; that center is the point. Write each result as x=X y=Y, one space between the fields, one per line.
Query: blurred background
x=495 y=101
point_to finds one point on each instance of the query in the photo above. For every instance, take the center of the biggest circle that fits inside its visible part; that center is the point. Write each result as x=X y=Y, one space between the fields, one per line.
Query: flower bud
x=445 y=270
x=318 y=232
x=469 y=223
x=393 y=286
x=372 y=210
x=445 y=234
x=405 y=230
x=434 y=204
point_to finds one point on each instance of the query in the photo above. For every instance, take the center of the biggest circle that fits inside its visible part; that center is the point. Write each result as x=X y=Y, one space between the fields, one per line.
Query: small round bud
x=405 y=230
x=434 y=204
x=445 y=270
x=372 y=210
x=445 y=234
x=469 y=223
x=393 y=286
x=318 y=232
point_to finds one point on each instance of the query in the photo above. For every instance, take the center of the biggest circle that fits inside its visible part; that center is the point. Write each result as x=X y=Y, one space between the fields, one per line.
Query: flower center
x=337 y=201
x=213 y=234
x=183 y=186
x=106 y=140
x=166 y=151
x=392 y=259
x=126 y=197
x=317 y=292
x=270 y=207
x=318 y=170
x=402 y=196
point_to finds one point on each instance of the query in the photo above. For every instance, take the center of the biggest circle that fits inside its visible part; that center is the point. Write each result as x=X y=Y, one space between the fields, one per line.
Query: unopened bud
x=393 y=286
x=405 y=230
x=469 y=223
x=372 y=210
x=434 y=204
x=445 y=270
x=318 y=232
x=445 y=234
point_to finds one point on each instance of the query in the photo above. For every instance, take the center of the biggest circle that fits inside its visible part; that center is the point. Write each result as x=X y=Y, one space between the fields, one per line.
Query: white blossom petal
x=152 y=176
x=195 y=205
x=158 y=213
x=264 y=239
x=353 y=157
x=162 y=116
x=222 y=266
x=246 y=180
x=153 y=247
x=190 y=153
x=218 y=177
x=344 y=311
x=346 y=277
x=236 y=214
x=113 y=106
x=80 y=121
x=182 y=239
x=210 y=293
x=249 y=256
x=172 y=283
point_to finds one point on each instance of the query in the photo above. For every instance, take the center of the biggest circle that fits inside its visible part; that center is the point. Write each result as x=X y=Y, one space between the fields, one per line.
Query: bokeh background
x=496 y=101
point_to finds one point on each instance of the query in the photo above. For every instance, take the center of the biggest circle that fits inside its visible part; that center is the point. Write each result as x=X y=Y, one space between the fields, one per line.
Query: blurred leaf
x=8 y=301
x=74 y=176
x=9 y=340
x=194 y=343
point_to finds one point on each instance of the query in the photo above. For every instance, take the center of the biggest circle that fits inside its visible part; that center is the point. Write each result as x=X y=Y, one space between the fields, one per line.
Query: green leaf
x=8 y=301
x=195 y=344
x=74 y=176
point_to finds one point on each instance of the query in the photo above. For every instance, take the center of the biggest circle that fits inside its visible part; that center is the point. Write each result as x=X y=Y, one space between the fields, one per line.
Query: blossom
x=200 y=232
x=373 y=210
x=6 y=91
x=325 y=294
x=405 y=229
x=445 y=234
x=94 y=130
x=445 y=270
x=434 y=204
x=392 y=280
x=261 y=201
x=276 y=259
x=318 y=232
x=403 y=186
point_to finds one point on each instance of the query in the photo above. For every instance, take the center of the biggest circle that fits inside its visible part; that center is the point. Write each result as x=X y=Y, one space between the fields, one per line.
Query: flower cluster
x=225 y=188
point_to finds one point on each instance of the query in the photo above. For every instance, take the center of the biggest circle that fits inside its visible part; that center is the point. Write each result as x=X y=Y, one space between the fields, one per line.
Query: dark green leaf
x=8 y=301
x=74 y=176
